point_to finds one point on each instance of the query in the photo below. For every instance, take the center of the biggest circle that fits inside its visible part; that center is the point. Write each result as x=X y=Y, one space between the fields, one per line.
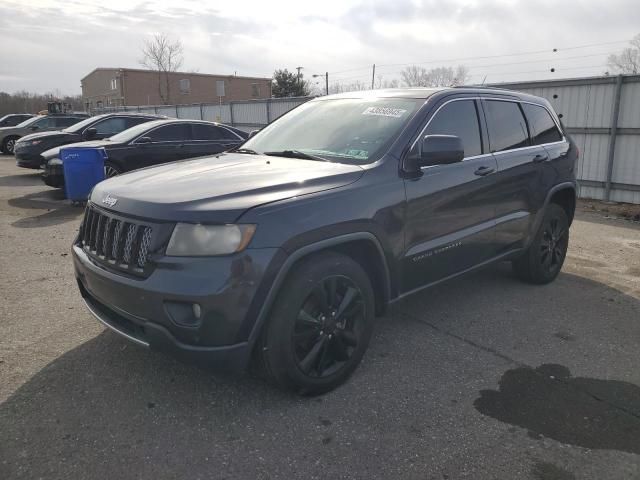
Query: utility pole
x=299 y=68
x=326 y=81
x=373 y=77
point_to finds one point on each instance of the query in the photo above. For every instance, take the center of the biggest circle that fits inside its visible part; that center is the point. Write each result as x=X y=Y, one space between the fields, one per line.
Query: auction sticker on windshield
x=384 y=112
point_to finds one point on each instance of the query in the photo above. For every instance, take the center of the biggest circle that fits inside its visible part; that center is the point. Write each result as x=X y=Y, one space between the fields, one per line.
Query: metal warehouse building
x=602 y=114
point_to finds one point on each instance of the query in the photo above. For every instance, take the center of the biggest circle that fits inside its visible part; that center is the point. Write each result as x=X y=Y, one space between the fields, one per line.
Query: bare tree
x=382 y=83
x=628 y=60
x=414 y=76
x=164 y=56
x=358 y=85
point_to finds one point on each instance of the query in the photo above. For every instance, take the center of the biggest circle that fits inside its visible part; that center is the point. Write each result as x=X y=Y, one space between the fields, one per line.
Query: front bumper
x=229 y=290
x=27 y=158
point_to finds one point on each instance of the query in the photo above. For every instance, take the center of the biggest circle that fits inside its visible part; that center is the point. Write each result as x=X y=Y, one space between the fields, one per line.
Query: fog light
x=184 y=314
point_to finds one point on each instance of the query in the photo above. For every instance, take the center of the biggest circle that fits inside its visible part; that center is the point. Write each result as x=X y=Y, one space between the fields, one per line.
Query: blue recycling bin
x=83 y=168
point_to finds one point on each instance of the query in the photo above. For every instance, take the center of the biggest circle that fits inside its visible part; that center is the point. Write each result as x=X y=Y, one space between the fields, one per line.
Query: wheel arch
x=360 y=246
x=565 y=196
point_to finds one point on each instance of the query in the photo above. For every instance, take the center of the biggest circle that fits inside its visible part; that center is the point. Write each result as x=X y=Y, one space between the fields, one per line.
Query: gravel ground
x=480 y=378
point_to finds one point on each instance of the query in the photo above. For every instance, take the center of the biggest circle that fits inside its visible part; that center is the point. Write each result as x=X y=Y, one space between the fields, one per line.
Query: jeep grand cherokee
x=284 y=250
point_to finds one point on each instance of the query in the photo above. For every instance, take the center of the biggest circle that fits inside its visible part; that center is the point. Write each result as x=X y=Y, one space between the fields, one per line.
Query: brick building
x=105 y=87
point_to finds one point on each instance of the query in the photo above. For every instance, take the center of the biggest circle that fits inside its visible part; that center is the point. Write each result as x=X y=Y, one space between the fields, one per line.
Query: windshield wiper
x=244 y=150
x=296 y=154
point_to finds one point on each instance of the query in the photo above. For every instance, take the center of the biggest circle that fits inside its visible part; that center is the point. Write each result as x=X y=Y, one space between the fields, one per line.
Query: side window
x=459 y=118
x=507 y=127
x=543 y=128
x=110 y=126
x=64 y=122
x=133 y=121
x=170 y=133
x=43 y=123
x=206 y=132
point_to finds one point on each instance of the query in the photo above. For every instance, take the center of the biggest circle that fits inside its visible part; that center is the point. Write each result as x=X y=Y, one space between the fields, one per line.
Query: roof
x=123 y=69
x=424 y=93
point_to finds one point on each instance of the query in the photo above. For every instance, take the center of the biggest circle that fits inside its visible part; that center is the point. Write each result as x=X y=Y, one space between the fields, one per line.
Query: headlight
x=30 y=142
x=196 y=240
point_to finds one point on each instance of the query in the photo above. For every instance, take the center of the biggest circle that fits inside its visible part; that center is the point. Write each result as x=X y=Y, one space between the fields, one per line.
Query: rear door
x=451 y=208
x=518 y=181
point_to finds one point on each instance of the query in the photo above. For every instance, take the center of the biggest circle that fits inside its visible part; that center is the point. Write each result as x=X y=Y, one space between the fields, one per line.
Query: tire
x=111 y=170
x=303 y=348
x=543 y=260
x=8 y=144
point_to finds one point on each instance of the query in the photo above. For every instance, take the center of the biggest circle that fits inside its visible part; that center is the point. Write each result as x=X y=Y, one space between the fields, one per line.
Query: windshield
x=349 y=130
x=134 y=132
x=29 y=121
x=78 y=127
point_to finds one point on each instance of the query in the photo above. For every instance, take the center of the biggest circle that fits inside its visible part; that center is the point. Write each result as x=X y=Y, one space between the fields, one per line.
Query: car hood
x=55 y=135
x=55 y=152
x=218 y=189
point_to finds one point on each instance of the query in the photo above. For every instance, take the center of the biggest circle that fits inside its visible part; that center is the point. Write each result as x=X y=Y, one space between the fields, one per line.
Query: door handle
x=541 y=157
x=482 y=171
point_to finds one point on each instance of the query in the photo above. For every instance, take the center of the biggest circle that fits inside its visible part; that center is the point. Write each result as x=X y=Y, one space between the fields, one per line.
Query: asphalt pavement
x=480 y=378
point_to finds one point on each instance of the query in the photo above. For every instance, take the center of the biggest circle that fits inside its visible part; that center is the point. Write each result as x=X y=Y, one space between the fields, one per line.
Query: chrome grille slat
x=117 y=231
x=145 y=243
x=128 y=243
x=122 y=244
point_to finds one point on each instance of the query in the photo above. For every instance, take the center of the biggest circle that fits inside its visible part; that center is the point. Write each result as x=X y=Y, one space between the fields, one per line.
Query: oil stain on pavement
x=586 y=412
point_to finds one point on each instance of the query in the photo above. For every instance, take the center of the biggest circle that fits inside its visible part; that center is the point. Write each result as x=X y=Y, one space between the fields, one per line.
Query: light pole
x=326 y=80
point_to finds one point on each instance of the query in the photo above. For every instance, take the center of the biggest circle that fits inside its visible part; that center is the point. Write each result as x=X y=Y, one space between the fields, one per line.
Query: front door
x=451 y=208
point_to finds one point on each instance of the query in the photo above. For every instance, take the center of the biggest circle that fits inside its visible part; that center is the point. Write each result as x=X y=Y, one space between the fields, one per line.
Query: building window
x=99 y=104
x=185 y=86
x=255 y=90
x=220 y=88
x=114 y=84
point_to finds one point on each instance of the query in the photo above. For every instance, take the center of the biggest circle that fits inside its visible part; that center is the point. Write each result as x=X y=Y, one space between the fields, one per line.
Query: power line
x=531 y=52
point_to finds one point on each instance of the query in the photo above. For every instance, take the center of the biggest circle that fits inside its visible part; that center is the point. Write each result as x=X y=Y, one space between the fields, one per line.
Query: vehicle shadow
x=24 y=180
x=108 y=409
x=56 y=209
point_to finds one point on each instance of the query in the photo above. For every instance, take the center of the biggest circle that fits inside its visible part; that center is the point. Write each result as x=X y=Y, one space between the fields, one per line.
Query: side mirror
x=34 y=128
x=440 y=150
x=144 y=140
x=90 y=133
x=253 y=133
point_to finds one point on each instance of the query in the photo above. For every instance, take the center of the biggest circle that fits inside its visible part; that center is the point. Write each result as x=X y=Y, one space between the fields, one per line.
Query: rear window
x=506 y=125
x=63 y=122
x=543 y=128
x=206 y=132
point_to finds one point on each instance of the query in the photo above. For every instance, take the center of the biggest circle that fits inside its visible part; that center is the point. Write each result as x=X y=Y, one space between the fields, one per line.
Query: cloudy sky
x=50 y=45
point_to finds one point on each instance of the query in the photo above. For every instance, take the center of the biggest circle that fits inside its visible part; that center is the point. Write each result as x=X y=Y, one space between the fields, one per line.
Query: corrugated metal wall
x=585 y=104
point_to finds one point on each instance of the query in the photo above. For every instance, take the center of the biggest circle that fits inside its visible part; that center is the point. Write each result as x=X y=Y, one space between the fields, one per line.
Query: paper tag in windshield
x=384 y=112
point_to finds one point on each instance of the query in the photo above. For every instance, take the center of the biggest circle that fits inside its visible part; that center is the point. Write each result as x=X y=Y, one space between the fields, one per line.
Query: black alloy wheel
x=328 y=327
x=320 y=325
x=553 y=245
x=542 y=261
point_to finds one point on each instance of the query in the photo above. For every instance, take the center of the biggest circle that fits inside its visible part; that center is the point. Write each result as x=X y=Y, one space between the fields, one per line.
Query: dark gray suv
x=285 y=249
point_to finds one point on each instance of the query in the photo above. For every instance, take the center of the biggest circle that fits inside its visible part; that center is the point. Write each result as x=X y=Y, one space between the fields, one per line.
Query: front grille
x=122 y=243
